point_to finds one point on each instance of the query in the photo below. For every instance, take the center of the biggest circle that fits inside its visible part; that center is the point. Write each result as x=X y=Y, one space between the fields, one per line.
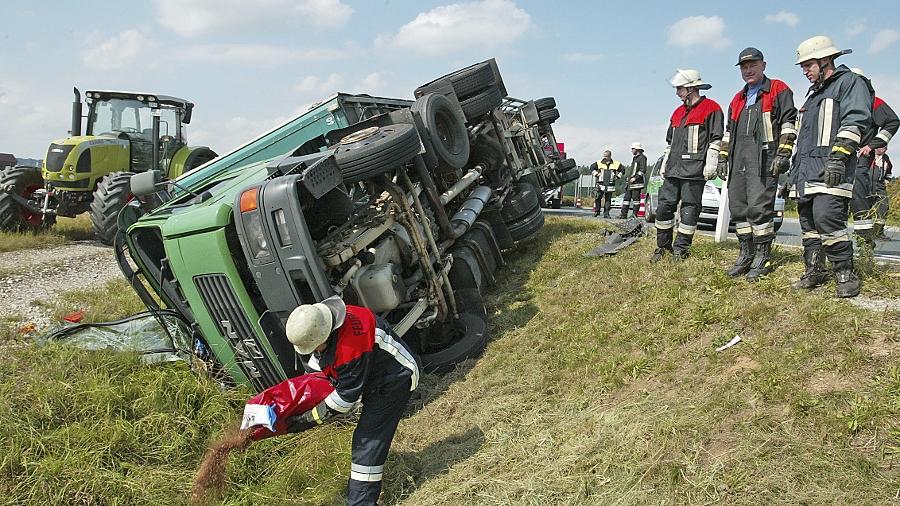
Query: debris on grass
x=729 y=344
x=210 y=481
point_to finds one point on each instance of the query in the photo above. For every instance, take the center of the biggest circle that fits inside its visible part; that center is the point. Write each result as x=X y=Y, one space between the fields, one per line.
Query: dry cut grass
x=65 y=230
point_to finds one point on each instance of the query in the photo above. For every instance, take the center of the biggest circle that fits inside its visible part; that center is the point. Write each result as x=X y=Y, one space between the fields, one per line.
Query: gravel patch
x=43 y=274
x=878 y=305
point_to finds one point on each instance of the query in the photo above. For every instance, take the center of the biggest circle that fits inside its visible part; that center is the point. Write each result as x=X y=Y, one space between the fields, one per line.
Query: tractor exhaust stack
x=76 y=114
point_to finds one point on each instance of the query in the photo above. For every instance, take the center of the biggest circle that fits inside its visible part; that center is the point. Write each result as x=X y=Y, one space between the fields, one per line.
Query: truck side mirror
x=145 y=183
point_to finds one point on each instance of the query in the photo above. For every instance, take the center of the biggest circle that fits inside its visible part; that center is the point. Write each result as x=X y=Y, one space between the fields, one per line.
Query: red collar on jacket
x=697 y=114
x=770 y=90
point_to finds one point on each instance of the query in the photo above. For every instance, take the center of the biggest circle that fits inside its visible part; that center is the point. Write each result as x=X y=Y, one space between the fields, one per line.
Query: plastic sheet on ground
x=626 y=234
x=140 y=334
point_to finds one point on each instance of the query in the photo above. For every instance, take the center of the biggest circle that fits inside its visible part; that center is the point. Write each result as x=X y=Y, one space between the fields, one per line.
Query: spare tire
x=373 y=151
x=545 y=103
x=548 y=115
x=449 y=343
x=520 y=202
x=482 y=103
x=448 y=136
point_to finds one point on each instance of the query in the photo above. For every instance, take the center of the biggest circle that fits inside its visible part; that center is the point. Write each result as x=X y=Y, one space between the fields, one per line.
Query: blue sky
x=249 y=65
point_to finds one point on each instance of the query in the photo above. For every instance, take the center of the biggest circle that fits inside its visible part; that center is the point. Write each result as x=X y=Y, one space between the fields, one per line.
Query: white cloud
x=315 y=84
x=699 y=31
x=883 y=39
x=888 y=88
x=195 y=18
x=371 y=83
x=582 y=57
x=449 y=28
x=857 y=27
x=30 y=121
x=788 y=18
x=586 y=144
x=119 y=51
x=255 y=54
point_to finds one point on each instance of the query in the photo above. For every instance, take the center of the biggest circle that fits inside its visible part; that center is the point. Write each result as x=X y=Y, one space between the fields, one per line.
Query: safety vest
x=606 y=181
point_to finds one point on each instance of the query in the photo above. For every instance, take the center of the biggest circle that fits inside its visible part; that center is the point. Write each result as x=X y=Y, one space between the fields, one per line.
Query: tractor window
x=120 y=115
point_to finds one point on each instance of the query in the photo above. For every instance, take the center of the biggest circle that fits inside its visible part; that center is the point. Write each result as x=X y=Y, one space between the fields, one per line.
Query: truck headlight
x=253 y=226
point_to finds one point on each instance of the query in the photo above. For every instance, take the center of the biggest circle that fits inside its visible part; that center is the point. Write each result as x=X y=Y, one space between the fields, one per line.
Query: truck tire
x=465 y=338
x=532 y=179
x=569 y=175
x=466 y=82
x=375 y=150
x=527 y=226
x=548 y=115
x=469 y=300
x=501 y=231
x=449 y=138
x=519 y=203
x=111 y=195
x=24 y=181
x=564 y=165
x=545 y=103
x=482 y=103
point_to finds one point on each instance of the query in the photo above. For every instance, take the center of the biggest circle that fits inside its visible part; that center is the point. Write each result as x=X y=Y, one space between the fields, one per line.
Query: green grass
x=112 y=301
x=66 y=230
x=893 y=189
x=600 y=385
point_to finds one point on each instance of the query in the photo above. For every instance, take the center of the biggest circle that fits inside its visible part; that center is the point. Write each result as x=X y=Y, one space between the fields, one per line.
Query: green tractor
x=126 y=133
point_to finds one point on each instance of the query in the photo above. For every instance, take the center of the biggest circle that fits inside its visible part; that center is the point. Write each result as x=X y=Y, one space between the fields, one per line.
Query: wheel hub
x=360 y=135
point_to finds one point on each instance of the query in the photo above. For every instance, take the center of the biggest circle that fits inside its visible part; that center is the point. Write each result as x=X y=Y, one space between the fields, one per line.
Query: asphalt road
x=788 y=234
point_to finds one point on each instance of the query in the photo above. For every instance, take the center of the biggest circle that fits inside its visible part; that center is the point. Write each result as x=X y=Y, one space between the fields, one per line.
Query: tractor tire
x=466 y=338
x=111 y=195
x=24 y=181
x=449 y=138
x=545 y=103
x=548 y=115
x=466 y=82
x=482 y=103
x=564 y=165
x=569 y=175
x=520 y=203
x=375 y=150
x=527 y=226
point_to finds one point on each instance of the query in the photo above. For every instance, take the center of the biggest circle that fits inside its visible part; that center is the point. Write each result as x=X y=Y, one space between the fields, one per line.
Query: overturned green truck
x=402 y=206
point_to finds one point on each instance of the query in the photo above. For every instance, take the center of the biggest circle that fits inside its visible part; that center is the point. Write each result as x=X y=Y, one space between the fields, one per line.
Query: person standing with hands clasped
x=755 y=151
x=691 y=158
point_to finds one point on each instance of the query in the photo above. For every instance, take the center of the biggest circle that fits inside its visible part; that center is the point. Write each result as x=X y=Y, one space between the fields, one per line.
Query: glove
x=710 y=169
x=782 y=161
x=836 y=165
x=301 y=423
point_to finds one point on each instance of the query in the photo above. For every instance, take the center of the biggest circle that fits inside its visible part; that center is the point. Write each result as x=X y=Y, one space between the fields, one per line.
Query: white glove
x=662 y=168
x=712 y=162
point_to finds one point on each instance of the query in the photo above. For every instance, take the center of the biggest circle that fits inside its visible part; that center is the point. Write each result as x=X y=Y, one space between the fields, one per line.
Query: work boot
x=815 y=274
x=745 y=257
x=847 y=280
x=762 y=264
x=658 y=255
x=606 y=214
x=681 y=255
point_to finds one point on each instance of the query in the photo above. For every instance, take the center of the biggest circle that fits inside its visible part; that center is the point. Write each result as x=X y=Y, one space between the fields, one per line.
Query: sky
x=249 y=65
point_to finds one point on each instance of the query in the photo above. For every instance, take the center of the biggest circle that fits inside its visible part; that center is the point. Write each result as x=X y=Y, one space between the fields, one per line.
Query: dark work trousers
x=632 y=197
x=674 y=190
x=381 y=412
x=604 y=202
x=882 y=202
x=823 y=222
x=751 y=197
x=863 y=201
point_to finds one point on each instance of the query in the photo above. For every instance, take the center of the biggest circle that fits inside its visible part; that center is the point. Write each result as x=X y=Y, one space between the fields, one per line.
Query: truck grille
x=232 y=323
x=56 y=157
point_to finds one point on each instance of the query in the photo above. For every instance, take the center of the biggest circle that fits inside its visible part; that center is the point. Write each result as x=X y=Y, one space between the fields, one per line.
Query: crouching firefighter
x=834 y=119
x=367 y=361
x=759 y=138
x=606 y=171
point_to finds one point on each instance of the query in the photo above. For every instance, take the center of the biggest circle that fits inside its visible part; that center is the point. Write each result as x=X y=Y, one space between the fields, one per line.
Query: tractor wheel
x=449 y=138
x=111 y=195
x=482 y=103
x=545 y=103
x=24 y=182
x=548 y=115
x=449 y=343
x=519 y=203
x=375 y=150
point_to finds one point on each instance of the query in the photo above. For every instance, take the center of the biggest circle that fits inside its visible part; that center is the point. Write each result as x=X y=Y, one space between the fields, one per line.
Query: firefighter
x=881 y=170
x=833 y=122
x=636 y=182
x=761 y=135
x=606 y=171
x=690 y=159
x=367 y=361
x=867 y=185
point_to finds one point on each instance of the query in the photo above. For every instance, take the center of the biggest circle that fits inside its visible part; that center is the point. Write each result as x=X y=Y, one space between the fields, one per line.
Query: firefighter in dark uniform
x=833 y=122
x=606 y=171
x=866 y=184
x=635 y=181
x=366 y=361
x=760 y=136
x=691 y=158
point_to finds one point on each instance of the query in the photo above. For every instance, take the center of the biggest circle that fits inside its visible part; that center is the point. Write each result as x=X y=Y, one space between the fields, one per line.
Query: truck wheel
x=466 y=82
x=469 y=300
x=449 y=137
x=449 y=343
x=527 y=226
x=569 y=175
x=482 y=103
x=548 y=115
x=375 y=150
x=564 y=165
x=24 y=181
x=501 y=232
x=545 y=103
x=519 y=203
x=111 y=195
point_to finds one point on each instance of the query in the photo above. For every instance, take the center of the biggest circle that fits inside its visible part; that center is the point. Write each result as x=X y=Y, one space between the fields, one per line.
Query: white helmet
x=858 y=71
x=309 y=325
x=817 y=47
x=637 y=145
x=688 y=78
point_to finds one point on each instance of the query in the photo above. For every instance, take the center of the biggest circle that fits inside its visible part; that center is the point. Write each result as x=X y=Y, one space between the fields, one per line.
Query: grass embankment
x=65 y=230
x=893 y=189
x=601 y=385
